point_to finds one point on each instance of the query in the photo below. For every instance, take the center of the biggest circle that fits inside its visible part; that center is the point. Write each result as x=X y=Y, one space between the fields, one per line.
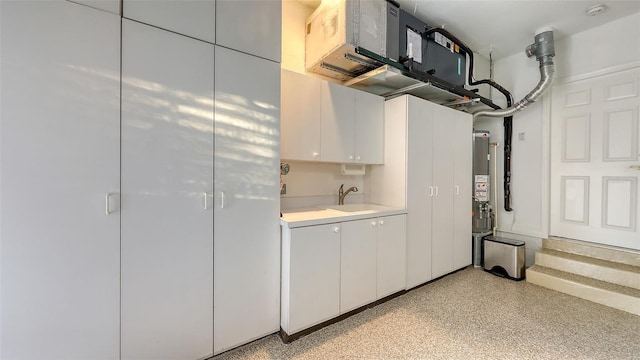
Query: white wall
x=310 y=184
x=606 y=46
x=480 y=72
x=294 y=18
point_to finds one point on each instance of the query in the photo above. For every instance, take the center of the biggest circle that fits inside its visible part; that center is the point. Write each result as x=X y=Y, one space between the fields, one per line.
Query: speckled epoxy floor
x=470 y=314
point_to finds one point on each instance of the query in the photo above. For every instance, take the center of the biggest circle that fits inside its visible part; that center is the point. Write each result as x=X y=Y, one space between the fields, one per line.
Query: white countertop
x=318 y=215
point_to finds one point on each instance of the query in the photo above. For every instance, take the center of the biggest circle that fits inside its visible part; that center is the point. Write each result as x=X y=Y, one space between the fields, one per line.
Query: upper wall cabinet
x=300 y=123
x=112 y=6
x=194 y=18
x=337 y=116
x=352 y=124
x=369 y=126
x=251 y=26
x=323 y=121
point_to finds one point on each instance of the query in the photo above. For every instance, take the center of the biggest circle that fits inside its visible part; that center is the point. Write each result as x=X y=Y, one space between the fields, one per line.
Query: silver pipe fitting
x=544 y=51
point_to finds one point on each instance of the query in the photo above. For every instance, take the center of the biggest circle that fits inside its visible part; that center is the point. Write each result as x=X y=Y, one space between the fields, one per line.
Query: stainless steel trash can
x=504 y=257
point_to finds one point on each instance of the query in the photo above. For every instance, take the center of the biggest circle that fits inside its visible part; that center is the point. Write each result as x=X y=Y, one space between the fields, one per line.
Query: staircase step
x=619 y=255
x=601 y=292
x=613 y=272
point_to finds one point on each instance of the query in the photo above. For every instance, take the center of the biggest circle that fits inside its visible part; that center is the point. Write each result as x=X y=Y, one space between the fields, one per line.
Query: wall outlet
x=283 y=189
x=521 y=136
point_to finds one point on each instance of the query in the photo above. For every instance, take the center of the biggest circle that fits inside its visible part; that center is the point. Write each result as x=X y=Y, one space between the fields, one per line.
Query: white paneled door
x=595 y=160
x=60 y=176
x=167 y=189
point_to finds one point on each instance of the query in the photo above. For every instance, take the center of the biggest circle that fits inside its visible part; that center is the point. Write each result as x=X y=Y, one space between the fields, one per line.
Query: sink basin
x=358 y=208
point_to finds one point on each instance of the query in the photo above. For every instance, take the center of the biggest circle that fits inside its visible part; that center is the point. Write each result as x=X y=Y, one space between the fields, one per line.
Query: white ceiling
x=508 y=26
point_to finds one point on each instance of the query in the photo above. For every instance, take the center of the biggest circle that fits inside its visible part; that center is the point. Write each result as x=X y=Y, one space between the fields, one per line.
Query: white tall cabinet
x=462 y=190
x=112 y=6
x=428 y=170
x=167 y=185
x=59 y=182
x=193 y=18
x=250 y=26
x=417 y=117
x=189 y=129
x=247 y=198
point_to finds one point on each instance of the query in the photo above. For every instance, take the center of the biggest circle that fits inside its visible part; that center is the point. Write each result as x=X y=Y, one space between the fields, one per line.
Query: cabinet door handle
x=107 y=207
x=457 y=190
x=358 y=158
x=221 y=199
x=315 y=155
x=637 y=167
x=373 y=223
x=430 y=190
x=336 y=229
x=381 y=222
x=350 y=157
x=436 y=190
x=205 y=195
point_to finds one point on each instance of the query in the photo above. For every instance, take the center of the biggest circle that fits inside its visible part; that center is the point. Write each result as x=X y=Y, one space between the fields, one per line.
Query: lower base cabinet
x=358 y=264
x=391 y=255
x=310 y=276
x=331 y=269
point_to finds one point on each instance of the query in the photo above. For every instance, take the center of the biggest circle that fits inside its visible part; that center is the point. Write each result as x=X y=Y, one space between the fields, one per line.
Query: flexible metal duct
x=544 y=51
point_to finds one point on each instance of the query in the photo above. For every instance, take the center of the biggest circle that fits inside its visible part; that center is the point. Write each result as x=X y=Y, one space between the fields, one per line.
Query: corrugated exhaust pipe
x=544 y=51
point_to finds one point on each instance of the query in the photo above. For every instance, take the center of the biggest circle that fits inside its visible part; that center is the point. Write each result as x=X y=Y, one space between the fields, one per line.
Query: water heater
x=481 y=182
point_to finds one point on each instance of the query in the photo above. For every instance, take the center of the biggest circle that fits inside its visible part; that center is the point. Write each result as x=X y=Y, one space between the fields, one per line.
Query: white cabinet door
x=250 y=26
x=60 y=145
x=300 y=123
x=167 y=168
x=420 y=191
x=443 y=164
x=392 y=255
x=314 y=276
x=247 y=198
x=112 y=6
x=369 y=124
x=462 y=196
x=337 y=123
x=194 y=18
x=358 y=264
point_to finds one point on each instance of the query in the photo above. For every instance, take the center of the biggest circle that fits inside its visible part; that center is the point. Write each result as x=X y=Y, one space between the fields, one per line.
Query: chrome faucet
x=342 y=194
